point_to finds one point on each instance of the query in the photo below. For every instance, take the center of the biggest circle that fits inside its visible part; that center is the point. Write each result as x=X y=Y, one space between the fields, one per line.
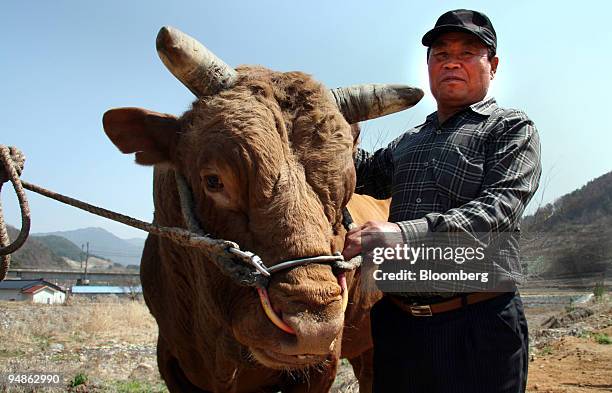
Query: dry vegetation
x=110 y=345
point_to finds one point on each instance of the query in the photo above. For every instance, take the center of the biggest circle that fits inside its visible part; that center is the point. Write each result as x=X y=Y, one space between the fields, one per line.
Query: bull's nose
x=314 y=336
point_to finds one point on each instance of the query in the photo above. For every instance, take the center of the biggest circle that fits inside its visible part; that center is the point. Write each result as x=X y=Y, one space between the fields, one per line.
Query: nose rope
x=264 y=299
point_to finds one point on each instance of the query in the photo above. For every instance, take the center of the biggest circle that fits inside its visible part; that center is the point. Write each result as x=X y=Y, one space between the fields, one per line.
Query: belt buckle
x=421 y=311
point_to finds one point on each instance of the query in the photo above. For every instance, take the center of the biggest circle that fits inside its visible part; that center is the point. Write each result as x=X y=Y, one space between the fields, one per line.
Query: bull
x=268 y=159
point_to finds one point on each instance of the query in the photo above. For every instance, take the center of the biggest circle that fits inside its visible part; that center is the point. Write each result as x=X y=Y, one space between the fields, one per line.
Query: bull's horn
x=198 y=68
x=363 y=102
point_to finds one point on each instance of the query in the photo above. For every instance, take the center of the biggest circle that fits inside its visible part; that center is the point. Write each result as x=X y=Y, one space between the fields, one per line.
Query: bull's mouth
x=279 y=360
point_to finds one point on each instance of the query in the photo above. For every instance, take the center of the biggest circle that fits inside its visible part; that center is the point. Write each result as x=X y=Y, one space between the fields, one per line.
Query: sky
x=64 y=63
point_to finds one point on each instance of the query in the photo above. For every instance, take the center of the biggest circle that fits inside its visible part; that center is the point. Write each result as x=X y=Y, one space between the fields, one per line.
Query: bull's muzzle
x=278 y=321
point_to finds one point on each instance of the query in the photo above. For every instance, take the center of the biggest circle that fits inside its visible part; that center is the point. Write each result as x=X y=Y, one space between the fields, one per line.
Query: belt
x=427 y=310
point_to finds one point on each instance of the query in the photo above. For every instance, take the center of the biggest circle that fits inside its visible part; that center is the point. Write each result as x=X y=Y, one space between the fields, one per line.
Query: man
x=472 y=167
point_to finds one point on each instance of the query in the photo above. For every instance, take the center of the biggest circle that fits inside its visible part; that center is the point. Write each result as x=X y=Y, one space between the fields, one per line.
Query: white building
x=35 y=291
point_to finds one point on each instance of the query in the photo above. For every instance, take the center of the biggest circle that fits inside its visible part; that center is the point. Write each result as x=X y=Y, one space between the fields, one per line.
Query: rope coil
x=13 y=162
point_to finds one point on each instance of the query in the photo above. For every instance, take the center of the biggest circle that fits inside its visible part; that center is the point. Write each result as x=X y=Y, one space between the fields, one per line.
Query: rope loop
x=13 y=161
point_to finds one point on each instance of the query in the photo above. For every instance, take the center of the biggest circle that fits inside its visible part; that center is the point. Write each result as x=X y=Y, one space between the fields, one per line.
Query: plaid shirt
x=474 y=173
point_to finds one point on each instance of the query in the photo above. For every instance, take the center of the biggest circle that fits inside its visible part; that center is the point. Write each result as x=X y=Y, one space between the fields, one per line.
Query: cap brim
x=434 y=33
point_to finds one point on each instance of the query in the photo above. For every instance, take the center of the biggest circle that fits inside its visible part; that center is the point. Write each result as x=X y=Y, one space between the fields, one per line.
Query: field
x=109 y=346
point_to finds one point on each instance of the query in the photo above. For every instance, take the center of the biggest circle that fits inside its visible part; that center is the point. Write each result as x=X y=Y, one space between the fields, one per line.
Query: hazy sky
x=64 y=63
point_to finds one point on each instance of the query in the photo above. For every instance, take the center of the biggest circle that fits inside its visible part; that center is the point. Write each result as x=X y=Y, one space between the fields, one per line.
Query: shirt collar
x=484 y=107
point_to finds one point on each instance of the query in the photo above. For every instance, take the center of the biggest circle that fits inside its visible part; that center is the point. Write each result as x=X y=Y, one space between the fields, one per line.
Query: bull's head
x=268 y=156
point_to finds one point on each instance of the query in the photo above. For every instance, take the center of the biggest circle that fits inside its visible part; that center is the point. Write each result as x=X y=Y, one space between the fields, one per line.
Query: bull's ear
x=151 y=135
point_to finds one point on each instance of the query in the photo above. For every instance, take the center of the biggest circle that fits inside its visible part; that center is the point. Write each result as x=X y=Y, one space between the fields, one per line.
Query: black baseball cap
x=467 y=21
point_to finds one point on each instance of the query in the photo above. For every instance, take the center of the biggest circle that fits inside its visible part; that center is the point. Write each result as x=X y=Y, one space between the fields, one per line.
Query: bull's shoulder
x=364 y=208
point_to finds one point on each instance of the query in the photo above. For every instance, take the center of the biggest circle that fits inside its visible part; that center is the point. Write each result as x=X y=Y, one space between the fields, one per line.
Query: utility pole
x=86 y=262
x=82 y=254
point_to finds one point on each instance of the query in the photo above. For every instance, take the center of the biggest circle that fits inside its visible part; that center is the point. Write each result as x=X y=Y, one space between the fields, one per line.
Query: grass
x=547 y=350
x=64 y=357
x=602 y=338
x=81 y=322
x=79 y=379
x=5 y=353
x=599 y=291
x=137 y=387
x=43 y=341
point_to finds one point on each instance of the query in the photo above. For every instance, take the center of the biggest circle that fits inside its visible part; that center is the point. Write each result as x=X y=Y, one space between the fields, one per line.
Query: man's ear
x=494 y=64
x=151 y=135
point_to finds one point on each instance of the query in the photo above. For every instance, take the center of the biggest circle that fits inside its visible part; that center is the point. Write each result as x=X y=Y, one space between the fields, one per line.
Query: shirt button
x=438 y=131
x=425 y=164
x=418 y=200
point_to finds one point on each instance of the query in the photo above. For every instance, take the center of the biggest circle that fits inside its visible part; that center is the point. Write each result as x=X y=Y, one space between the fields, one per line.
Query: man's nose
x=452 y=64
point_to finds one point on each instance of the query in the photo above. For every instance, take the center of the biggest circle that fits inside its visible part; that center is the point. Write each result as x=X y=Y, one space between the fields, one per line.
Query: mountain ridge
x=104 y=244
x=572 y=236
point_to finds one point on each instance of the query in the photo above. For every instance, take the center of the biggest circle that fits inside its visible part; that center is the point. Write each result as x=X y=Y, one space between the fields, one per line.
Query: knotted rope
x=13 y=161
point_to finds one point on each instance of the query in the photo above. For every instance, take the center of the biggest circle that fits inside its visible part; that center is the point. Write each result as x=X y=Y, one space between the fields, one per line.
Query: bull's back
x=364 y=208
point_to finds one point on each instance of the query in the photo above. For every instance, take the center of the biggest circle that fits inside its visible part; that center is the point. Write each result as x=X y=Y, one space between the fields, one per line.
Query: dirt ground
x=109 y=345
x=571 y=347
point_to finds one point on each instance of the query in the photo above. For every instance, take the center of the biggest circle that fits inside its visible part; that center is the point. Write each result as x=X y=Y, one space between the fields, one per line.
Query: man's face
x=459 y=69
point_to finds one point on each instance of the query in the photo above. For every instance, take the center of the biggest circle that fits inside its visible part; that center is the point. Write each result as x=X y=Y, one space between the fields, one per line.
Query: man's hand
x=352 y=242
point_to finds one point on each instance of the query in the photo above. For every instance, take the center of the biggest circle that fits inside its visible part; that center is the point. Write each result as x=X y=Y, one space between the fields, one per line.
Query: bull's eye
x=213 y=183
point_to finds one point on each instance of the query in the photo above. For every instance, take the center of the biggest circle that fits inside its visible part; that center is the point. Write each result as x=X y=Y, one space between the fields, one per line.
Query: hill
x=35 y=254
x=61 y=246
x=104 y=244
x=572 y=236
x=55 y=252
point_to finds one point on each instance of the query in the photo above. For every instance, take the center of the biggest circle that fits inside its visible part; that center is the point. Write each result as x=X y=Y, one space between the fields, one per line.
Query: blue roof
x=18 y=284
x=24 y=284
x=105 y=289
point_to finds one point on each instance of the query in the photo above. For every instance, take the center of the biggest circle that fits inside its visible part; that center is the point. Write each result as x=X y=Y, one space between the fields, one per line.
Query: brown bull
x=268 y=158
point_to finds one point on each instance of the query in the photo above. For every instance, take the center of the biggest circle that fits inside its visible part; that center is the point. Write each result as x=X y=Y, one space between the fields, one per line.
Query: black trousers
x=481 y=347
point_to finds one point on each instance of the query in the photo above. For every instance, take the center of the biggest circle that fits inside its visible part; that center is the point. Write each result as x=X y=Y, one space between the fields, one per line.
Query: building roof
x=23 y=285
x=104 y=289
x=34 y=288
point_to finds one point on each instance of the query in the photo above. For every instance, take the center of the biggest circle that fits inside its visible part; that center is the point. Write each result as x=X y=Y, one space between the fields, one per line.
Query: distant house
x=100 y=290
x=35 y=291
